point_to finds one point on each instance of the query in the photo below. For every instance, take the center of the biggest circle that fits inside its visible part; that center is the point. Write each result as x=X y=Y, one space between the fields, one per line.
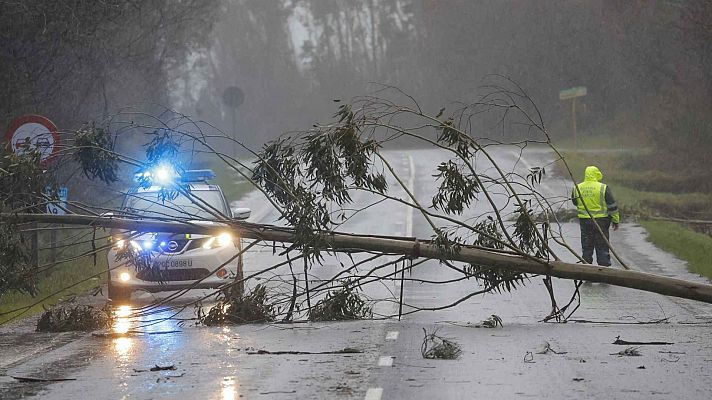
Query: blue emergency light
x=162 y=175
x=197 y=175
x=165 y=174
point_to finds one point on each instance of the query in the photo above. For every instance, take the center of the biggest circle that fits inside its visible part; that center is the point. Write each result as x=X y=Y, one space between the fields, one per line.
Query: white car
x=172 y=261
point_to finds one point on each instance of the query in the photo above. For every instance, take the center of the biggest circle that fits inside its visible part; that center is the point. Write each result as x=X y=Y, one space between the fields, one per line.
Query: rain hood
x=593 y=174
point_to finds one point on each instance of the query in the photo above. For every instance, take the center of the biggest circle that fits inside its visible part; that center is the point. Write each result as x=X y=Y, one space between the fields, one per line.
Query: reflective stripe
x=602 y=199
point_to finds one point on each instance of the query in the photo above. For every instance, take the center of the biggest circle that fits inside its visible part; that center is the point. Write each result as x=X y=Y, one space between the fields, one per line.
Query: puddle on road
x=229 y=388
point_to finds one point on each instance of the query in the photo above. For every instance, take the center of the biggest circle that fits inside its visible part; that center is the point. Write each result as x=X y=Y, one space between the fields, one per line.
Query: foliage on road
x=250 y=308
x=437 y=347
x=73 y=317
x=342 y=304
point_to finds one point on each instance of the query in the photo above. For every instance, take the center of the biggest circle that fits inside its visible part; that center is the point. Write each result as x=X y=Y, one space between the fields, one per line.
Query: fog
x=641 y=61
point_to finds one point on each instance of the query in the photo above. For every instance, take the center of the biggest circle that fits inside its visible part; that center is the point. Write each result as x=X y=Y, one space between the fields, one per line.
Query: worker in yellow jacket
x=596 y=205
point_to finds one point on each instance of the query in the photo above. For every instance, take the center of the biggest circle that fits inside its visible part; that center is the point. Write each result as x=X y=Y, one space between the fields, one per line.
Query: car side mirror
x=241 y=213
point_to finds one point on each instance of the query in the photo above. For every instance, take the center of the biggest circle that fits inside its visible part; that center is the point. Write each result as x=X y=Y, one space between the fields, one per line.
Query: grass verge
x=54 y=283
x=684 y=243
x=55 y=286
x=643 y=192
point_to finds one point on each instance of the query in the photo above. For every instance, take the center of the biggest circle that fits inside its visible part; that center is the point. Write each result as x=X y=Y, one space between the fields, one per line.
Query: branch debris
x=250 y=308
x=438 y=347
x=66 y=318
x=347 y=350
x=619 y=341
x=547 y=349
x=340 y=305
x=628 y=352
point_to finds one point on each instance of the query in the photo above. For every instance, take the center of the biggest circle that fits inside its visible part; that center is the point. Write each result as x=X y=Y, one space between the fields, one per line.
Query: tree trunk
x=406 y=246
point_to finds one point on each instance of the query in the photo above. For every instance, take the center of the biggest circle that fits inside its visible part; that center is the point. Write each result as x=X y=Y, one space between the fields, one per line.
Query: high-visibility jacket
x=593 y=198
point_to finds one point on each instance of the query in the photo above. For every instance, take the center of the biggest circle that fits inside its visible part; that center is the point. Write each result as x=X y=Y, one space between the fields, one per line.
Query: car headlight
x=120 y=244
x=222 y=240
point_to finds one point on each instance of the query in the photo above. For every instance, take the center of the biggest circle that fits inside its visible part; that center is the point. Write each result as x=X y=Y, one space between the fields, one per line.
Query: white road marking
x=374 y=394
x=409 y=211
x=386 y=361
x=392 y=335
x=528 y=166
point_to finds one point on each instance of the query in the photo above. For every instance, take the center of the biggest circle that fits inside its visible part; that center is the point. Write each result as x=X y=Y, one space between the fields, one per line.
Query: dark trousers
x=591 y=239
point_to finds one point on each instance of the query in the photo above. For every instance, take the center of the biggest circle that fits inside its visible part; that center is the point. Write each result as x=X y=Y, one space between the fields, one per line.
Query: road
x=500 y=363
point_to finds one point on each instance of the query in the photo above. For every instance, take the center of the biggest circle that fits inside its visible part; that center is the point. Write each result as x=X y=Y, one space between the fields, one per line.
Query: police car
x=158 y=261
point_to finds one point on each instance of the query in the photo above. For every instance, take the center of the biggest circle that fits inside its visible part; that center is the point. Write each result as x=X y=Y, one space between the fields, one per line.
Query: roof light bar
x=197 y=175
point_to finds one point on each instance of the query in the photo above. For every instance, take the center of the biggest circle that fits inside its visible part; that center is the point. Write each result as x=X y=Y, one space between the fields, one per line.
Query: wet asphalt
x=502 y=363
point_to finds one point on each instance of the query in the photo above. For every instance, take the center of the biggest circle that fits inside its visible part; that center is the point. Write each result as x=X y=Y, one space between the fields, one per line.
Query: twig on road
x=547 y=349
x=280 y=392
x=347 y=350
x=651 y=322
x=619 y=341
x=490 y=322
x=629 y=351
x=33 y=379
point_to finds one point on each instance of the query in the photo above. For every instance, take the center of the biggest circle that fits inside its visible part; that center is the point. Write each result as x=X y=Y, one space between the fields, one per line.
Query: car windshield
x=198 y=206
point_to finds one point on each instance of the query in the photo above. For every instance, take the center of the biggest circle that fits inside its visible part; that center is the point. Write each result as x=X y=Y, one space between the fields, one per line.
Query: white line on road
x=528 y=166
x=386 y=361
x=374 y=394
x=392 y=335
x=409 y=211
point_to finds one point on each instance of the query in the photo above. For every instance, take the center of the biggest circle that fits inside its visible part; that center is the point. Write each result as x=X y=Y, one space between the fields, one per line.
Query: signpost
x=573 y=93
x=34 y=132
x=233 y=97
x=58 y=207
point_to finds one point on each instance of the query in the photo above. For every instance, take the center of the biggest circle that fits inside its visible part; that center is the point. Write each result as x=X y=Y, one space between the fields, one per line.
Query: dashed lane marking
x=392 y=335
x=386 y=361
x=411 y=186
x=374 y=394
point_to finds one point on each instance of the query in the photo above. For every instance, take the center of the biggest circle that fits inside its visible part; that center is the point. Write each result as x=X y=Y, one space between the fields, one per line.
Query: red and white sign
x=33 y=132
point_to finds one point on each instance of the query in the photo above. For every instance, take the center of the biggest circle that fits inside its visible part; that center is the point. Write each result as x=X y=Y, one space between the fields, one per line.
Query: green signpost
x=573 y=93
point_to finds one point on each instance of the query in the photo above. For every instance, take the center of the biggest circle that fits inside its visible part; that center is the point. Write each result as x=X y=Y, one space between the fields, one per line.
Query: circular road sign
x=33 y=132
x=233 y=96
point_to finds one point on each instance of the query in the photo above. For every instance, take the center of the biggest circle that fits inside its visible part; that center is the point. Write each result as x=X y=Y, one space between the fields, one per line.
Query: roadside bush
x=682 y=146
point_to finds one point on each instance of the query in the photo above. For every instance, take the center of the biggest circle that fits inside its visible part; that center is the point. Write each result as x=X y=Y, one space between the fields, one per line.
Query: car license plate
x=185 y=263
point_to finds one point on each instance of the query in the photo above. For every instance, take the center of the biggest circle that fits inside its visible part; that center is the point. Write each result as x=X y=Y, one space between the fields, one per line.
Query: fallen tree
x=410 y=247
x=489 y=222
